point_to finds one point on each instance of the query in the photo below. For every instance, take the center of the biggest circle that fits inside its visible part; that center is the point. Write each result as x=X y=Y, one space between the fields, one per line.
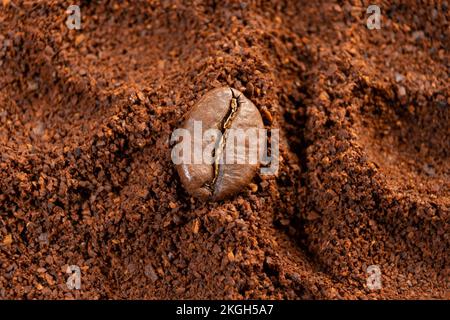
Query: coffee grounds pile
x=86 y=177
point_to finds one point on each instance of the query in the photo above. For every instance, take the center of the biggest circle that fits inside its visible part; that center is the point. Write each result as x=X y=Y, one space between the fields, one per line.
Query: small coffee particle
x=195 y=226
x=267 y=115
x=172 y=205
x=77 y=152
x=429 y=170
x=253 y=187
x=249 y=90
x=7 y=240
x=150 y=272
x=230 y=256
x=221 y=109
x=79 y=39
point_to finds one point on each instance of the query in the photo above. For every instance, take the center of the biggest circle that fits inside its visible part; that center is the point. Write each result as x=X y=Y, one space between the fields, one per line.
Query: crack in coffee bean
x=234 y=105
x=223 y=109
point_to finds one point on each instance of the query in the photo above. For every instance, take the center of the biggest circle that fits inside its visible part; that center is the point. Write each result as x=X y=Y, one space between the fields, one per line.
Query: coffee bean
x=226 y=110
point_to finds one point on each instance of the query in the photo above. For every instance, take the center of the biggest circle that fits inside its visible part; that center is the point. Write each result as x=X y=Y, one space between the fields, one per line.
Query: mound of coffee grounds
x=87 y=181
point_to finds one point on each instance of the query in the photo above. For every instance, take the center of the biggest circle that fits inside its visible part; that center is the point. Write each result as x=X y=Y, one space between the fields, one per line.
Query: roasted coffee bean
x=225 y=110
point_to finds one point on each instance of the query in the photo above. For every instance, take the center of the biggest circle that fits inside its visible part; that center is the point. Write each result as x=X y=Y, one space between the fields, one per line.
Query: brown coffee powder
x=86 y=177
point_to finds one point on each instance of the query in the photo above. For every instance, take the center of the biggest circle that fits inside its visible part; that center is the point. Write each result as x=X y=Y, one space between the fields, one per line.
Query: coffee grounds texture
x=86 y=177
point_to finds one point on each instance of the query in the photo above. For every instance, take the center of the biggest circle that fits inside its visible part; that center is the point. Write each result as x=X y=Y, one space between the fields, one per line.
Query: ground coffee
x=359 y=208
